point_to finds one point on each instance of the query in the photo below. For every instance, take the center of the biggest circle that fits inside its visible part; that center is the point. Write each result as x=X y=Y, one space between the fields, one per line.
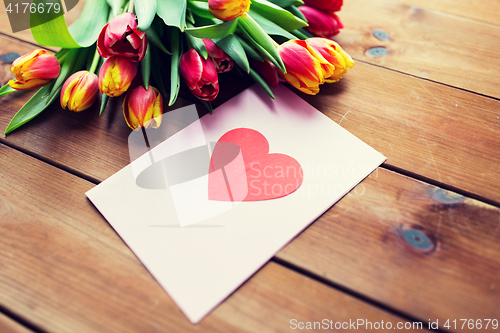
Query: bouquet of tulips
x=142 y=48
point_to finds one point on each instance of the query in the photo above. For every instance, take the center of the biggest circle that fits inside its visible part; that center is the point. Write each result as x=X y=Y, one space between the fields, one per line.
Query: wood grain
x=414 y=247
x=428 y=44
x=486 y=11
x=7 y=325
x=66 y=270
x=426 y=128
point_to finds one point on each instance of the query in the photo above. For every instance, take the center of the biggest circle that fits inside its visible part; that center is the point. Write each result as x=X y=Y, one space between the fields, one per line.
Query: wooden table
x=421 y=243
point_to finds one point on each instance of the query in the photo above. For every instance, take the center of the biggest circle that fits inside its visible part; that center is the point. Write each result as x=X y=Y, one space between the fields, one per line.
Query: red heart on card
x=241 y=169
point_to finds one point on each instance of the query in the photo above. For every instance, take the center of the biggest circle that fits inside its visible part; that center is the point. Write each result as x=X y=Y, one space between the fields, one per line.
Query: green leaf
x=235 y=50
x=157 y=72
x=278 y=15
x=104 y=102
x=146 y=68
x=5 y=90
x=208 y=105
x=200 y=8
x=173 y=13
x=220 y=30
x=249 y=50
x=197 y=44
x=48 y=29
x=286 y=3
x=146 y=11
x=295 y=11
x=116 y=6
x=270 y=27
x=258 y=79
x=175 y=80
x=261 y=40
x=300 y=34
x=31 y=109
x=155 y=39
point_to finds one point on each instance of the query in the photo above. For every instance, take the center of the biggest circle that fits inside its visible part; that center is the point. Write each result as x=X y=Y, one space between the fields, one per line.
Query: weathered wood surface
x=414 y=247
x=8 y=325
x=424 y=43
x=487 y=11
x=66 y=270
x=426 y=128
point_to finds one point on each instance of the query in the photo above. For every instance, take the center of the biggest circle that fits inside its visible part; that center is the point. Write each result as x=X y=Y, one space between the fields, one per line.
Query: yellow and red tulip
x=143 y=108
x=305 y=68
x=223 y=63
x=334 y=54
x=120 y=37
x=79 y=91
x=227 y=10
x=321 y=23
x=200 y=75
x=34 y=69
x=328 y=5
x=116 y=75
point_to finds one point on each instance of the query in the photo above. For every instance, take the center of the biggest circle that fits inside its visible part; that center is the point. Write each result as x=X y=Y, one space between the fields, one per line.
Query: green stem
x=95 y=62
x=131 y=6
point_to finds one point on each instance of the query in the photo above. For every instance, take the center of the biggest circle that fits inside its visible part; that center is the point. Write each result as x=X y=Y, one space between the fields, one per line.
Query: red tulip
x=200 y=75
x=268 y=71
x=322 y=24
x=116 y=75
x=79 y=91
x=223 y=63
x=34 y=69
x=121 y=37
x=328 y=5
x=143 y=108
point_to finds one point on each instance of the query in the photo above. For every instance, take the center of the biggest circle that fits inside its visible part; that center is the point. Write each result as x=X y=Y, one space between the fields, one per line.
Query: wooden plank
x=7 y=325
x=66 y=270
x=426 y=128
x=487 y=11
x=427 y=44
x=414 y=247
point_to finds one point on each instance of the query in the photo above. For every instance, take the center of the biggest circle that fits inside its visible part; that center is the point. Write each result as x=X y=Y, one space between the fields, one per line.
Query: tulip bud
x=305 y=68
x=79 y=91
x=267 y=70
x=200 y=75
x=116 y=75
x=327 y=5
x=227 y=10
x=334 y=54
x=143 y=108
x=321 y=23
x=34 y=69
x=121 y=37
x=223 y=63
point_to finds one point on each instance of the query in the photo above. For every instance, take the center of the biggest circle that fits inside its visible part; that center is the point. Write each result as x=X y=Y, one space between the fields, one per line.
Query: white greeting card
x=206 y=208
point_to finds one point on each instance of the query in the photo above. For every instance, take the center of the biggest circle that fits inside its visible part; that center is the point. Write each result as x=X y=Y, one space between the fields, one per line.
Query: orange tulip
x=79 y=91
x=334 y=54
x=116 y=75
x=34 y=69
x=143 y=108
x=227 y=10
